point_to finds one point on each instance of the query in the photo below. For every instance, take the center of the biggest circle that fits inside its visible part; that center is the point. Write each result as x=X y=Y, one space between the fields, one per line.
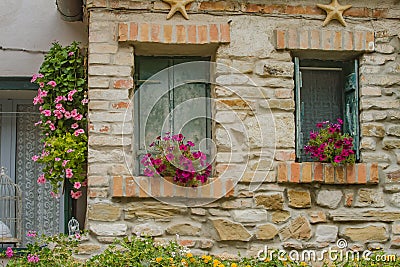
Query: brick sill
x=156 y=187
x=325 y=173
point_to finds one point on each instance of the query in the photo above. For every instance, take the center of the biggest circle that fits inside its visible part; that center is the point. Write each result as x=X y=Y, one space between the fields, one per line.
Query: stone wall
x=246 y=207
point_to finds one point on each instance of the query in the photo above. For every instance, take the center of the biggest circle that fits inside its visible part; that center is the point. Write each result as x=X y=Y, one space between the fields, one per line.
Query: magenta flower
x=35 y=157
x=52 y=127
x=41 y=84
x=157 y=162
x=190 y=143
x=37 y=123
x=85 y=101
x=74 y=125
x=71 y=53
x=37 y=100
x=148 y=172
x=70 y=150
x=177 y=137
x=182 y=147
x=169 y=157
x=54 y=195
x=52 y=84
x=9 y=252
x=67 y=115
x=57 y=159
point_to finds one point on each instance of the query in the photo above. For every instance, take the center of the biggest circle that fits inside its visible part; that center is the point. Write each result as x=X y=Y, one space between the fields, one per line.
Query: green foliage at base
x=141 y=252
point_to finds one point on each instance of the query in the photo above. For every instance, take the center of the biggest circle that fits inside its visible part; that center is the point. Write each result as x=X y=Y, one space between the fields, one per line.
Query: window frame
x=350 y=75
x=138 y=82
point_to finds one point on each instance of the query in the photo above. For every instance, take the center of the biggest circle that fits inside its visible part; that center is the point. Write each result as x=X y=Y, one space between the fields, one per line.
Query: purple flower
x=320 y=125
x=338 y=159
x=32 y=258
x=169 y=157
x=313 y=135
x=71 y=54
x=340 y=121
x=178 y=137
x=182 y=147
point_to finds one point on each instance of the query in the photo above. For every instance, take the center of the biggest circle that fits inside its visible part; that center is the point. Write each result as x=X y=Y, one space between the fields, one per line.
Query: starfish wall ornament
x=334 y=11
x=178 y=5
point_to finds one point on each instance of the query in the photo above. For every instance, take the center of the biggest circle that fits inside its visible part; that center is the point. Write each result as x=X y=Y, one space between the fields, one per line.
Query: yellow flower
x=303 y=263
x=171 y=260
x=189 y=255
x=267 y=260
x=192 y=260
x=233 y=265
x=158 y=259
x=184 y=262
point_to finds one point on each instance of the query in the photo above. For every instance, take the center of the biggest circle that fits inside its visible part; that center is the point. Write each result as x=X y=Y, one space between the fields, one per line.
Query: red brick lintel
x=325 y=173
x=174 y=34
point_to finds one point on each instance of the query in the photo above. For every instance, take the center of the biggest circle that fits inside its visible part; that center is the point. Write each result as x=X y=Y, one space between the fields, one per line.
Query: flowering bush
x=330 y=145
x=63 y=106
x=172 y=157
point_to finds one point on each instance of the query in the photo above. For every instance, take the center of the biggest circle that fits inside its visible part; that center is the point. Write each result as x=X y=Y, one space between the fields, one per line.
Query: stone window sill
x=156 y=187
x=325 y=173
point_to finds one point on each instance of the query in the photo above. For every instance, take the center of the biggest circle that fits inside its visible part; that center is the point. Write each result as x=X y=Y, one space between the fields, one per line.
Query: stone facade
x=259 y=196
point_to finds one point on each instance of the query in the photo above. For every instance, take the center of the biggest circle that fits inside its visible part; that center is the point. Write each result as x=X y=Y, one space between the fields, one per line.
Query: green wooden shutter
x=351 y=98
x=298 y=84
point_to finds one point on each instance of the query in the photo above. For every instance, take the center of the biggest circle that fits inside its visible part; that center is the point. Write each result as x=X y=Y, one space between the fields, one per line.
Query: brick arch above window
x=325 y=40
x=174 y=33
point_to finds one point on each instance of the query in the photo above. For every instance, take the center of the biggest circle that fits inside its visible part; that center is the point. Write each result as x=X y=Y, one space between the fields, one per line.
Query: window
x=171 y=97
x=325 y=90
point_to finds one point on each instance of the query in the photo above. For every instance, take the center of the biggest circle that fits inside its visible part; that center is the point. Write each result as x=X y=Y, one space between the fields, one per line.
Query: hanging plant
x=62 y=101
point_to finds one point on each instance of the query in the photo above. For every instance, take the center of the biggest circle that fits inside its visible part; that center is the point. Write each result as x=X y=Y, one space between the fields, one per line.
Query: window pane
x=190 y=101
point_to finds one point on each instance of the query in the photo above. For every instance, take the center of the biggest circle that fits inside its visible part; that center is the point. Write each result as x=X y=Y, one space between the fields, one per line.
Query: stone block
x=369 y=198
x=266 y=232
x=106 y=212
x=299 y=198
x=249 y=215
x=280 y=216
x=104 y=229
x=370 y=233
x=326 y=233
x=271 y=201
x=298 y=229
x=329 y=198
x=147 y=229
x=230 y=231
x=183 y=229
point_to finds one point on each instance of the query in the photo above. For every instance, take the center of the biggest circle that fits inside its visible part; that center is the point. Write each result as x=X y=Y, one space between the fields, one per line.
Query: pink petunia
x=41 y=84
x=69 y=173
x=74 y=126
x=52 y=127
x=71 y=94
x=64 y=163
x=52 y=83
x=70 y=150
x=77 y=185
x=46 y=112
x=38 y=100
x=76 y=195
x=37 y=123
x=35 y=157
x=31 y=233
x=67 y=115
x=33 y=258
x=85 y=101
x=78 y=132
x=78 y=117
x=74 y=113
x=54 y=195
x=41 y=179
x=57 y=159
x=71 y=53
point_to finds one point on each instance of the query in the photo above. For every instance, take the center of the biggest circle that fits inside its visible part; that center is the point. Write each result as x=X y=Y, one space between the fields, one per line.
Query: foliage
x=170 y=156
x=56 y=251
x=329 y=144
x=63 y=107
x=142 y=251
